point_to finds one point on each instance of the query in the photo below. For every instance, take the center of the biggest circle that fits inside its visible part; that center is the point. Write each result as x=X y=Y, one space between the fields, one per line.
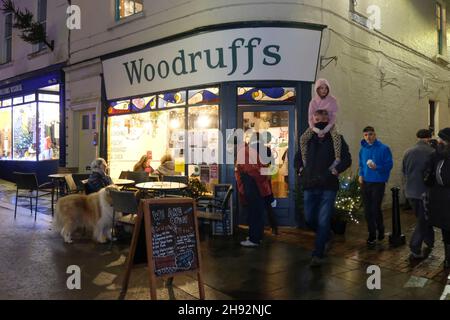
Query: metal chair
x=153 y=178
x=137 y=176
x=71 y=185
x=181 y=179
x=123 y=175
x=27 y=182
x=125 y=202
x=214 y=207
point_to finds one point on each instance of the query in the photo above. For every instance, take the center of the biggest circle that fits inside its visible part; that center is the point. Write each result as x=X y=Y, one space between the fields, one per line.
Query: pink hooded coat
x=329 y=103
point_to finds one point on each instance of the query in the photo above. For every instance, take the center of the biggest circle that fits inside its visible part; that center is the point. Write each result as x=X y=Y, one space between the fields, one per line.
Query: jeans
x=319 y=207
x=423 y=231
x=446 y=236
x=255 y=209
x=372 y=196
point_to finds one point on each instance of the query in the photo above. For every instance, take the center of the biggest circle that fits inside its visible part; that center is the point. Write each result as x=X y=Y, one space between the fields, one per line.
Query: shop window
x=6 y=55
x=48 y=131
x=172 y=99
x=203 y=96
x=119 y=107
x=29 y=98
x=54 y=88
x=258 y=95
x=24 y=132
x=203 y=143
x=131 y=136
x=17 y=100
x=143 y=104
x=94 y=121
x=125 y=8
x=7 y=103
x=5 y=134
x=48 y=97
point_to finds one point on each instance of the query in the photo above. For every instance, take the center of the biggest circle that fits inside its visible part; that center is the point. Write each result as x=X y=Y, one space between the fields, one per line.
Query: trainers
x=274 y=203
x=316 y=262
x=371 y=242
x=381 y=236
x=247 y=243
x=414 y=255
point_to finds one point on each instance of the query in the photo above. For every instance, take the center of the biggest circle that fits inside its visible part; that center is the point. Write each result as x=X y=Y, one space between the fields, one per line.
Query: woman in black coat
x=438 y=181
x=98 y=178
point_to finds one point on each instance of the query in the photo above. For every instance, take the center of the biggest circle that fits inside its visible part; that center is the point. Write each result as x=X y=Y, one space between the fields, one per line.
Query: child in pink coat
x=322 y=100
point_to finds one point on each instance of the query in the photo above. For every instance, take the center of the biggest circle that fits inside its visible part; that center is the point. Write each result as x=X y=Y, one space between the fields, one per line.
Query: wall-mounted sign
x=266 y=53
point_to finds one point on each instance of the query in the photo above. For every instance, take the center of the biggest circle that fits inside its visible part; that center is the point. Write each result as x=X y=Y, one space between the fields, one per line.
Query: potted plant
x=196 y=188
x=348 y=204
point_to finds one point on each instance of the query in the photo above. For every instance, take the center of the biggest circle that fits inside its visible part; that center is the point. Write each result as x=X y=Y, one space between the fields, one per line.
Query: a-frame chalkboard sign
x=165 y=230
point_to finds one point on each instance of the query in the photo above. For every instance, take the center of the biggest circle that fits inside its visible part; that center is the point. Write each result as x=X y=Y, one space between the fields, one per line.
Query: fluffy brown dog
x=93 y=212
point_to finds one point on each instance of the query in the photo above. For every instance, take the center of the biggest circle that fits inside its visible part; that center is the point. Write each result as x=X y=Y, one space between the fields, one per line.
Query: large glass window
x=42 y=19
x=125 y=8
x=5 y=134
x=24 y=132
x=48 y=131
x=203 y=143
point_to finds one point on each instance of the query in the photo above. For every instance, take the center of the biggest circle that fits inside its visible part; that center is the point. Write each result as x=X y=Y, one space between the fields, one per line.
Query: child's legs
x=336 y=142
x=305 y=137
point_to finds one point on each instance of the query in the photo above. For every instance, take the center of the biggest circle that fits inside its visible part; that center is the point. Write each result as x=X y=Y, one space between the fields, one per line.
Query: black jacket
x=316 y=174
x=439 y=191
x=97 y=181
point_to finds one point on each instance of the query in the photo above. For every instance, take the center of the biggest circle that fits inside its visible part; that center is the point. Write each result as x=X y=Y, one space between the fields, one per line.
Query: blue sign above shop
x=30 y=85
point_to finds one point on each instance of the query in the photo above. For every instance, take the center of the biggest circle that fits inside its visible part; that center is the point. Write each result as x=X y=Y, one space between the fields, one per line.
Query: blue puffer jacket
x=381 y=155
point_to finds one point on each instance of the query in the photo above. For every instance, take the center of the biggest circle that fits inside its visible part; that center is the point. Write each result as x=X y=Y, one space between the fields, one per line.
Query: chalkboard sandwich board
x=171 y=241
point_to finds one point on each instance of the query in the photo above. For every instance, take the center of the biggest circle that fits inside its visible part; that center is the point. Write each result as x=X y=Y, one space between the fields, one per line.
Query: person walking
x=415 y=161
x=375 y=165
x=320 y=183
x=438 y=180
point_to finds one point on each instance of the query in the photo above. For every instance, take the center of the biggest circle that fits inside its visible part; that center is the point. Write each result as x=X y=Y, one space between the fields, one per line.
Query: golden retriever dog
x=93 y=212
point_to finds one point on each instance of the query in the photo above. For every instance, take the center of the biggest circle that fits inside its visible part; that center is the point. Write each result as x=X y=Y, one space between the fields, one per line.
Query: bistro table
x=122 y=182
x=161 y=186
x=59 y=183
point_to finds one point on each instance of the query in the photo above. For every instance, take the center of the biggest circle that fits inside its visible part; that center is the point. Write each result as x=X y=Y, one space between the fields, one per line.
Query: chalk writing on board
x=184 y=260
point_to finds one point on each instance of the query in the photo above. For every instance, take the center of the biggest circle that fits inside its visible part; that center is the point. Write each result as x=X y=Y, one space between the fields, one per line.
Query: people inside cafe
x=144 y=163
x=99 y=178
x=167 y=167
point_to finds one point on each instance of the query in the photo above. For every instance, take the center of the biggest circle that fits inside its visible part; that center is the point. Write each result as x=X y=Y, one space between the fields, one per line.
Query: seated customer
x=167 y=167
x=144 y=164
x=98 y=178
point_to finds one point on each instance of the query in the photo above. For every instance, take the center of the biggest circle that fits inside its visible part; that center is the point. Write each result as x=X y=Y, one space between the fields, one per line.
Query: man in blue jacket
x=375 y=165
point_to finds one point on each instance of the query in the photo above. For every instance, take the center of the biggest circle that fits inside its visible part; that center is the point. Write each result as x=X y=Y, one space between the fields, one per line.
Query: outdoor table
x=161 y=186
x=122 y=182
x=59 y=182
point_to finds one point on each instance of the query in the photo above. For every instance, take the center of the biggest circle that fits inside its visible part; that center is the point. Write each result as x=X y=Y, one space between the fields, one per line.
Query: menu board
x=219 y=227
x=174 y=240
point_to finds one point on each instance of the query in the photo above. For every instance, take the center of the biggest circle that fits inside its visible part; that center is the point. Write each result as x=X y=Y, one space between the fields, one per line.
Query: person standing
x=375 y=165
x=320 y=183
x=414 y=164
x=438 y=181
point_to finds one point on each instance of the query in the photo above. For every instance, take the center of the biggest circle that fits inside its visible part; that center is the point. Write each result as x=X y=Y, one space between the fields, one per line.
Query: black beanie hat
x=423 y=134
x=444 y=134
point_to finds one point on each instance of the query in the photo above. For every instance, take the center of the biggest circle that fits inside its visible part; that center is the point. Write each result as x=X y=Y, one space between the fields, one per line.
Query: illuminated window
x=24 y=132
x=143 y=104
x=258 y=95
x=5 y=134
x=125 y=8
x=202 y=96
x=119 y=107
x=48 y=131
x=441 y=27
x=172 y=99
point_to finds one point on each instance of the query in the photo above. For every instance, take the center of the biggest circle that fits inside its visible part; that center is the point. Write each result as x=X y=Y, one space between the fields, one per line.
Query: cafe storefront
x=31 y=125
x=185 y=97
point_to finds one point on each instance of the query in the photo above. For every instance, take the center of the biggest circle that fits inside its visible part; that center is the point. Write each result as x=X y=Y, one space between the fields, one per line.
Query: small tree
x=32 y=32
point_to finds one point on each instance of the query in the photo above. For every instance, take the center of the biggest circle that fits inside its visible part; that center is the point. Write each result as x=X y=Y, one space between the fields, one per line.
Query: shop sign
x=267 y=53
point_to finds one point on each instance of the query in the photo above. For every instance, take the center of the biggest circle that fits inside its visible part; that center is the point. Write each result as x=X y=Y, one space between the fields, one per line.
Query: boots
x=447 y=256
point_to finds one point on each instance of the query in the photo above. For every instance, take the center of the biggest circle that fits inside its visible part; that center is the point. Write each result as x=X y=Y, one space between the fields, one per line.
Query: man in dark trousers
x=320 y=184
x=375 y=165
x=413 y=168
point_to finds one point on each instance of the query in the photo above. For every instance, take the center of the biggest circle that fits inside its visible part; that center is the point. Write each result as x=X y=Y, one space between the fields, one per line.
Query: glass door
x=279 y=122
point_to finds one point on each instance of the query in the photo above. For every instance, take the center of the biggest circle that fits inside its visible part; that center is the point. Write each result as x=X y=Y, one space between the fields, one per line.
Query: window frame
x=6 y=47
x=41 y=45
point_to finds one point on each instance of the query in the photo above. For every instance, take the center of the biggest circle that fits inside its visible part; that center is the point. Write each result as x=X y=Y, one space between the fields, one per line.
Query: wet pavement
x=34 y=261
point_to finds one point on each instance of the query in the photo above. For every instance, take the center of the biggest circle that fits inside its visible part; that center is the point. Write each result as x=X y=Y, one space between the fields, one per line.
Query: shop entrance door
x=280 y=122
x=87 y=128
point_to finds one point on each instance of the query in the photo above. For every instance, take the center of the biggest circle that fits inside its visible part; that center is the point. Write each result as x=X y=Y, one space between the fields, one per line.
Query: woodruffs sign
x=219 y=56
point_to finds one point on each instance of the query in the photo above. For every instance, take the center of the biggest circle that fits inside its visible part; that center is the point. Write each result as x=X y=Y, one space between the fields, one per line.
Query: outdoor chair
x=71 y=185
x=125 y=202
x=180 y=179
x=214 y=208
x=28 y=187
x=123 y=175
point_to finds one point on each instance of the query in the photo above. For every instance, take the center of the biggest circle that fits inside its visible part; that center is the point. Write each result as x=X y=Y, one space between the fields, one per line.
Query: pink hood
x=329 y=103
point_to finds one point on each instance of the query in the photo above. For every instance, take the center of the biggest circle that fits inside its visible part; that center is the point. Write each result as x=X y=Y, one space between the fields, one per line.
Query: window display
x=5 y=134
x=24 y=132
x=48 y=131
